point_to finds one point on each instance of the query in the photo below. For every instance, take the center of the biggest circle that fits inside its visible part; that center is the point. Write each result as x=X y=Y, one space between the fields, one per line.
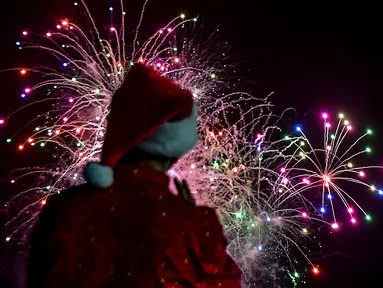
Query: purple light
x=335 y=226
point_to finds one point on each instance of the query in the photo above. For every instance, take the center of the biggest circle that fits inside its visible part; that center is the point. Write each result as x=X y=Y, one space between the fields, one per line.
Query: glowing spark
x=335 y=226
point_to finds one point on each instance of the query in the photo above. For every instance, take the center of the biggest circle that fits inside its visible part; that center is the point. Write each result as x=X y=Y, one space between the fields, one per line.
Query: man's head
x=151 y=117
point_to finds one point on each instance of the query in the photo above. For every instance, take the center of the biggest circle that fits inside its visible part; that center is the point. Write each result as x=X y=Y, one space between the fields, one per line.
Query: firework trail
x=238 y=167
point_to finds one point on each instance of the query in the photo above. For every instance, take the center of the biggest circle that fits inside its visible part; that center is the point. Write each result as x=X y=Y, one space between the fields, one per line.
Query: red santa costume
x=123 y=228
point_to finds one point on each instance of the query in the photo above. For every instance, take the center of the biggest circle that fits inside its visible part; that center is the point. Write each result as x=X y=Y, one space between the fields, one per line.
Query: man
x=123 y=228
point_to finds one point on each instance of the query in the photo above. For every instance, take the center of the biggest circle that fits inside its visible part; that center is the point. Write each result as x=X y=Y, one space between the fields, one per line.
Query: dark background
x=314 y=54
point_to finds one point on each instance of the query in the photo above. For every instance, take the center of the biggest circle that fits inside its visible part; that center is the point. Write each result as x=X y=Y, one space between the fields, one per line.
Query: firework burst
x=327 y=172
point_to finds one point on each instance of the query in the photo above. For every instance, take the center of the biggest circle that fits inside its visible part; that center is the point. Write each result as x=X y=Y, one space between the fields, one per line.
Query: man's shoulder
x=71 y=194
x=74 y=191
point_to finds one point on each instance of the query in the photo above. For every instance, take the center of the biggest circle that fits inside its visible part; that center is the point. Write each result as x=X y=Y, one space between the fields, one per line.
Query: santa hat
x=150 y=112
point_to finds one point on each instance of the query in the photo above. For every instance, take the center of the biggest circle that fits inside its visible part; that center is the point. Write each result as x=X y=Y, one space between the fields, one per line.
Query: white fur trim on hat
x=173 y=139
x=99 y=175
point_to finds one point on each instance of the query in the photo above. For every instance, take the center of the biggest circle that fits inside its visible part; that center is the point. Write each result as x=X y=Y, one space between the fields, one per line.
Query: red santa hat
x=150 y=112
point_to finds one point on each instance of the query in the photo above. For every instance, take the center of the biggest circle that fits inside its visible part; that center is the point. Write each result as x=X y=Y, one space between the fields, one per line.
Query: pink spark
x=27 y=90
x=285 y=181
x=329 y=148
x=177 y=60
x=324 y=115
x=349 y=128
x=362 y=174
x=2 y=121
x=350 y=210
x=161 y=31
x=304 y=215
x=220 y=133
x=65 y=119
x=112 y=29
x=335 y=226
x=25 y=33
x=353 y=221
x=49 y=34
x=170 y=30
x=71 y=100
x=306 y=181
x=159 y=65
x=58 y=27
x=328 y=125
x=12 y=181
x=283 y=170
x=64 y=23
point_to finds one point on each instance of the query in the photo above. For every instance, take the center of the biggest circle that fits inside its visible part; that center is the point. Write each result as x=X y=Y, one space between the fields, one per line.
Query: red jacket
x=134 y=234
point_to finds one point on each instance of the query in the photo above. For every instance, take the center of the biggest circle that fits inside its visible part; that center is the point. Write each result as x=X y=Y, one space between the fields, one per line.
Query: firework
x=327 y=172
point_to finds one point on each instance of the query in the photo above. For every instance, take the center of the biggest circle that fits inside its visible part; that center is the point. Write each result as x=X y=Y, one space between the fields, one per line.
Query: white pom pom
x=99 y=175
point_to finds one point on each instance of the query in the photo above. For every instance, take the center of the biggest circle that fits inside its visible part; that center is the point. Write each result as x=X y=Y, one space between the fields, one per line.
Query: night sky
x=314 y=55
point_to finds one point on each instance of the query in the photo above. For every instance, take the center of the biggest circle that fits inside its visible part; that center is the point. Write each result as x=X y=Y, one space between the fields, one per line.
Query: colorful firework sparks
x=265 y=210
x=79 y=82
x=328 y=172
